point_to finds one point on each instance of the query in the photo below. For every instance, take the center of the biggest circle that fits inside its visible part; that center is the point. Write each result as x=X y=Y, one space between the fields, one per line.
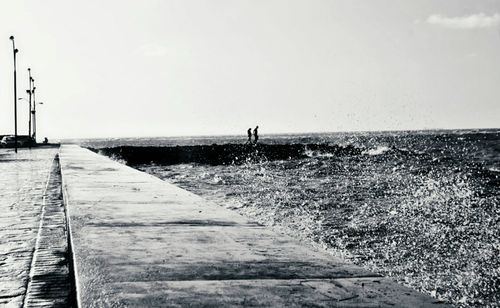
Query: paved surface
x=23 y=178
x=139 y=241
x=50 y=277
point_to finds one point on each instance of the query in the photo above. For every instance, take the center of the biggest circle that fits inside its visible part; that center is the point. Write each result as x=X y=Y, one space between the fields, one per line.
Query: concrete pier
x=139 y=241
x=34 y=270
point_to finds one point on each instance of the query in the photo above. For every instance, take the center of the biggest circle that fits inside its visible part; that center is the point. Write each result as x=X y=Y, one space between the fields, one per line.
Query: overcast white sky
x=186 y=67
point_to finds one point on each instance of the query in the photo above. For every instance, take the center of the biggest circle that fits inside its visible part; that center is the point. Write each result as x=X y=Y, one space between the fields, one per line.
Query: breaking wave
x=377 y=151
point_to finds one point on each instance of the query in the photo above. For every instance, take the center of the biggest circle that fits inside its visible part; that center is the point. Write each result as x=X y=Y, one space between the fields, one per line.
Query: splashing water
x=377 y=151
x=421 y=207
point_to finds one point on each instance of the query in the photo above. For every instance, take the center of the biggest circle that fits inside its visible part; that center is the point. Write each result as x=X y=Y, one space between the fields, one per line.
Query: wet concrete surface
x=139 y=241
x=23 y=179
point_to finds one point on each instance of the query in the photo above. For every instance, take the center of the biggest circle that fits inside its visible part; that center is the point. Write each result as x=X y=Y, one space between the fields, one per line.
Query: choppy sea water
x=420 y=207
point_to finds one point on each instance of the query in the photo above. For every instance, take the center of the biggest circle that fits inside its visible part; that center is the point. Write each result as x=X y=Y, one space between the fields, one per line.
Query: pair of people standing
x=255 y=134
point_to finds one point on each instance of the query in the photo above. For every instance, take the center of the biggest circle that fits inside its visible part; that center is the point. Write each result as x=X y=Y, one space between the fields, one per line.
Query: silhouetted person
x=249 y=132
x=256 y=133
x=45 y=140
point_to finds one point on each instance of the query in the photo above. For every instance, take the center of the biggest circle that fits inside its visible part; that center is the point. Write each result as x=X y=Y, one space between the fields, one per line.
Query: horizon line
x=284 y=133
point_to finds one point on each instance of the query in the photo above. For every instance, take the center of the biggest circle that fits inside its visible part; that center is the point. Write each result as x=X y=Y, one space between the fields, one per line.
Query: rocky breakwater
x=223 y=154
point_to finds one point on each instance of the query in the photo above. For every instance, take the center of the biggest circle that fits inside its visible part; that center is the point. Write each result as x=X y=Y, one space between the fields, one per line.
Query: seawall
x=223 y=154
x=139 y=241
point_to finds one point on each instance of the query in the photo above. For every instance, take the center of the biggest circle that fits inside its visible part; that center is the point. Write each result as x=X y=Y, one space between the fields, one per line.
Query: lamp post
x=32 y=87
x=15 y=51
x=33 y=112
x=34 y=115
x=29 y=114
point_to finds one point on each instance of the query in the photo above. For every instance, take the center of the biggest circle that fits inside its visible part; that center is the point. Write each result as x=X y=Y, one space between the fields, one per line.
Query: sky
x=137 y=68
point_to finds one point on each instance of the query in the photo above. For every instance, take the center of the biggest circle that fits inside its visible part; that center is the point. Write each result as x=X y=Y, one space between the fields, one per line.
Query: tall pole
x=34 y=111
x=15 y=51
x=34 y=120
x=30 y=113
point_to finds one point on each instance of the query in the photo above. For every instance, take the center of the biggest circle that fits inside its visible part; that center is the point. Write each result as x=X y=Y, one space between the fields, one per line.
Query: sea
x=422 y=207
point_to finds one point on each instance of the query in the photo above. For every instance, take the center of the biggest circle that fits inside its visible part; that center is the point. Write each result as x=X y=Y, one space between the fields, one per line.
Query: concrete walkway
x=23 y=183
x=139 y=241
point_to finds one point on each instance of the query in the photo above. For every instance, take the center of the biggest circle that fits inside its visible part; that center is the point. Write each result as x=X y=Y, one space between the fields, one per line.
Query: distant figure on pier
x=45 y=140
x=249 y=132
x=256 y=133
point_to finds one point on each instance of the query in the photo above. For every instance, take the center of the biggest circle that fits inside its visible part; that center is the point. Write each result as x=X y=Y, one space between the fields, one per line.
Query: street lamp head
x=11 y=38
x=29 y=69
